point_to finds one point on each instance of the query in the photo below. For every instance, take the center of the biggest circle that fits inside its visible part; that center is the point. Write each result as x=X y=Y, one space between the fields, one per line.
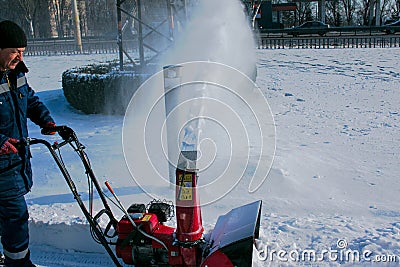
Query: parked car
x=388 y=21
x=392 y=27
x=310 y=27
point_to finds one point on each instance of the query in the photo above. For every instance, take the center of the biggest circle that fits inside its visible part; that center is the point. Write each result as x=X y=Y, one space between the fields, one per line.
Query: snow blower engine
x=142 y=237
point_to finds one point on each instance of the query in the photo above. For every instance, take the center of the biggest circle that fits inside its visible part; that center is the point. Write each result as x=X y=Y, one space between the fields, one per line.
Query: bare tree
x=29 y=8
x=303 y=12
x=9 y=10
x=101 y=17
x=394 y=8
x=334 y=12
x=386 y=8
x=61 y=14
x=363 y=11
x=349 y=8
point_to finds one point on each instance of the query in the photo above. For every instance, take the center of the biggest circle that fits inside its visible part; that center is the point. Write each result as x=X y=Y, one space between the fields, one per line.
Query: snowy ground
x=333 y=187
x=335 y=172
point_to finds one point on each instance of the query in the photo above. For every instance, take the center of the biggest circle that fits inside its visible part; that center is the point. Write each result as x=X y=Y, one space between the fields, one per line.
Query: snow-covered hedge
x=100 y=88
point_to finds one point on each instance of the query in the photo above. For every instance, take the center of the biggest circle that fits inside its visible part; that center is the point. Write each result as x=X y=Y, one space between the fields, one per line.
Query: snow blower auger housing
x=141 y=237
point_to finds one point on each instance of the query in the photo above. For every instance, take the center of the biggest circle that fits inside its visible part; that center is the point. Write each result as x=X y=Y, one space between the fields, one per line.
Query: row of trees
x=350 y=12
x=335 y=12
x=98 y=18
x=54 y=18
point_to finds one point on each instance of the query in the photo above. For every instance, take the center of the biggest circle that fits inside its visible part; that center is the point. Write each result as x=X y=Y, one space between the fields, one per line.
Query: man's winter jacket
x=17 y=103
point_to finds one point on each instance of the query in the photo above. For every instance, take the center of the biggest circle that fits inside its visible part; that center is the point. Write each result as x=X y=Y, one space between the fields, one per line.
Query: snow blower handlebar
x=69 y=137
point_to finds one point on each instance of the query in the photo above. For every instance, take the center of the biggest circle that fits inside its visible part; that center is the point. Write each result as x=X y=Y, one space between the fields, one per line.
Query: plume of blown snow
x=216 y=31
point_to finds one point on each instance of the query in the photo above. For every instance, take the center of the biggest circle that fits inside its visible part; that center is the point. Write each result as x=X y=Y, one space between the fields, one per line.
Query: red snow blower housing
x=142 y=238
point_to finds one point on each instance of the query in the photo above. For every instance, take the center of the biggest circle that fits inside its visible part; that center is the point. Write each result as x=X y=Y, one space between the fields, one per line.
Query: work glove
x=9 y=146
x=47 y=129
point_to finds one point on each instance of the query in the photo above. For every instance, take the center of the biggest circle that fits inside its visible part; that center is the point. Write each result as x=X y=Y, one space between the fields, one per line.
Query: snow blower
x=141 y=237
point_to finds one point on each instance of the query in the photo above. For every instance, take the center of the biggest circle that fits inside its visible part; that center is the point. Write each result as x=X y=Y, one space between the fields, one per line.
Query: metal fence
x=330 y=42
x=50 y=47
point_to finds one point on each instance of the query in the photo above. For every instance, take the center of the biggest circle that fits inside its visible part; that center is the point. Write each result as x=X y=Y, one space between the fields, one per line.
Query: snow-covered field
x=335 y=175
x=333 y=188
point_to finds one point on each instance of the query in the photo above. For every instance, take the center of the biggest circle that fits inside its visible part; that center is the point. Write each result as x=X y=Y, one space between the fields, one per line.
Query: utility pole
x=120 y=46
x=77 y=25
x=140 y=32
x=321 y=10
x=378 y=13
x=371 y=11
x=171 y=22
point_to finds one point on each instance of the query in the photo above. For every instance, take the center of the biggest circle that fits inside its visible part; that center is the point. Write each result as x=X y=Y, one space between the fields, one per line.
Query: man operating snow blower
x=17 y=103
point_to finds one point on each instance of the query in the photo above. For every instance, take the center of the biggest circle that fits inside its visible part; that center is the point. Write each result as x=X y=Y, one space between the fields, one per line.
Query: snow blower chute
x=141 y=237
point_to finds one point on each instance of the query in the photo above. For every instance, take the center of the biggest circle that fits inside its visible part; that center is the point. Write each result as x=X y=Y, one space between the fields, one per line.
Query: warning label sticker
x=146 y=218
x=185 y=189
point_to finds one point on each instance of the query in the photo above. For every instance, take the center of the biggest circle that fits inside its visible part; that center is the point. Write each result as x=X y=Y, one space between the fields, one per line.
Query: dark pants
x=14 y=230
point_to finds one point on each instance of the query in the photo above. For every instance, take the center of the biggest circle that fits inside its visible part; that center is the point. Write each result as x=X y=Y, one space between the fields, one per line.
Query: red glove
x=9 y=146
x=47 y=128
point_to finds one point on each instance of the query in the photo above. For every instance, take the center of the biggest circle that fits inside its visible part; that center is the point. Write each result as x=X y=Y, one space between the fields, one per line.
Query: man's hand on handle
x=48 y=128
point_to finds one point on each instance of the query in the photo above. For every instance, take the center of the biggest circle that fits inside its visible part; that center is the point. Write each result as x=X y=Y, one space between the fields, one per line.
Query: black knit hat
x=11 y=35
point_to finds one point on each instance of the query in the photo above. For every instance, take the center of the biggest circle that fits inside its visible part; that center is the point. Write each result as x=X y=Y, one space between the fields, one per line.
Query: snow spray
x=204 y=99
x=217 y=32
